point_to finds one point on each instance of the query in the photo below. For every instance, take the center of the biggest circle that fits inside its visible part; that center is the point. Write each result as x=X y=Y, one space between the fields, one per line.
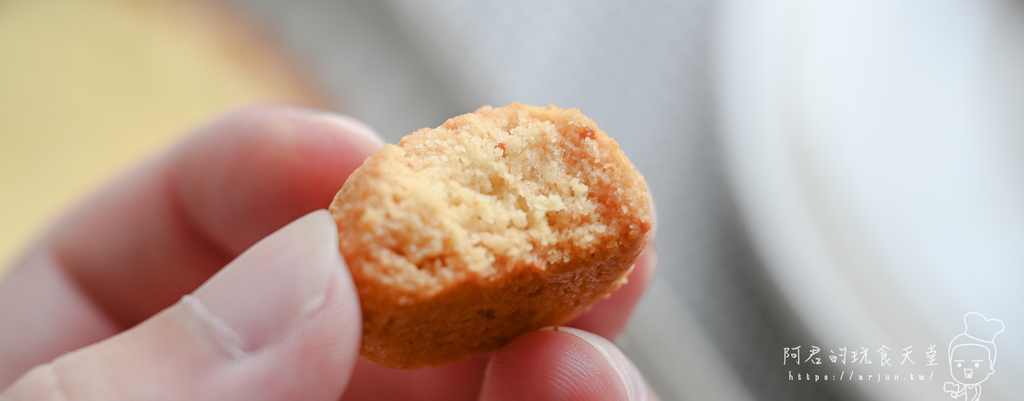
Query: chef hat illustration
x=978 y=331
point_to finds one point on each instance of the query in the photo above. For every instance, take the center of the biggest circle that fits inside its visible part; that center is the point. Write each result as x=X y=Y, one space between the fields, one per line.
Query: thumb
x=280 y=322
x=562 y=364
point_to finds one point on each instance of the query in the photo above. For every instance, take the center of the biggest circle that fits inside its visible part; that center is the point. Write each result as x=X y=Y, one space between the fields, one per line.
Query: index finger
x=165 y=227
x=162 y=231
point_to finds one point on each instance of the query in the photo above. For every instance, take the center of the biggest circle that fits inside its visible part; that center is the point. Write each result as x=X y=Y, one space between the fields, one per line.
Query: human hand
x=97 y=307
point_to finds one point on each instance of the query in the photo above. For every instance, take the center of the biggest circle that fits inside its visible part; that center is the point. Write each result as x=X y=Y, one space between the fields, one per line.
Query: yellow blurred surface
x=89 y=87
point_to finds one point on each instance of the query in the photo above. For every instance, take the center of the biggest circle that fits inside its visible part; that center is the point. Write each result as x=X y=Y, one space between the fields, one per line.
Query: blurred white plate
x=879 y=163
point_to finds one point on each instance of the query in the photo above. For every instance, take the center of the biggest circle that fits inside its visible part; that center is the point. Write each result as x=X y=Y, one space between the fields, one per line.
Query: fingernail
x=631 y=380
x=351 y=125
x=272 y=286
x=650 y=254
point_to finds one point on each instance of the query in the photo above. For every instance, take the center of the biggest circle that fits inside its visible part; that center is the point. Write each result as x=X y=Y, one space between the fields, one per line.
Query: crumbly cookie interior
x=485 y=192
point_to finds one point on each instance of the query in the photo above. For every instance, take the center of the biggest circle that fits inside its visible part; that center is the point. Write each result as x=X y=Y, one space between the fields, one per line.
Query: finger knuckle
x=42 y=383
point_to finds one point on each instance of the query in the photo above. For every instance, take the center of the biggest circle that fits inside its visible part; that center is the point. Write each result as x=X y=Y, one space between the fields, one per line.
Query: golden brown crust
x=498 y=222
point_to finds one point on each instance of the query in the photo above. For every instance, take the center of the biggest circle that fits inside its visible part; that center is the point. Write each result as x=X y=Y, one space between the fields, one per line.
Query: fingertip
x=347 y=124
x=452 y=382
x=646 y=263
x=562 y=364
x=633 y=384
x=314 y=352
x=261 y=167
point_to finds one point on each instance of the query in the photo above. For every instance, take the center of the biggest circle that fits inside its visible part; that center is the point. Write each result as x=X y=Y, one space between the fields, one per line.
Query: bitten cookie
x=497 y=222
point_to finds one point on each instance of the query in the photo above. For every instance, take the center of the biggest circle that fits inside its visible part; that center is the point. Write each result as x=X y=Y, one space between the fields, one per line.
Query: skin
x=93 y=309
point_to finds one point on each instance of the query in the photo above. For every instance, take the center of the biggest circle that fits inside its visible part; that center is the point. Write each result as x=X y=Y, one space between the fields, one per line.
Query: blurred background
x=840 y=176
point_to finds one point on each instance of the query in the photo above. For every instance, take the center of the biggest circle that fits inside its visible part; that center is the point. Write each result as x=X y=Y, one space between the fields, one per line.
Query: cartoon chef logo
x=972 y=356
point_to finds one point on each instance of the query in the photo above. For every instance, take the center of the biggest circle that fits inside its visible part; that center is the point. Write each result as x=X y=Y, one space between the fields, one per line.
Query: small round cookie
x=498 y=222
